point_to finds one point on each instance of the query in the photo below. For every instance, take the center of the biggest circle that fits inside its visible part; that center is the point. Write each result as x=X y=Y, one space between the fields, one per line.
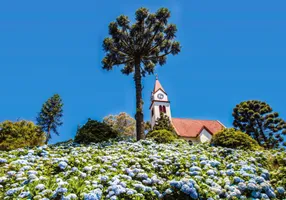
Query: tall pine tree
x=257 y=119
x=139 y=47
x=50 y=117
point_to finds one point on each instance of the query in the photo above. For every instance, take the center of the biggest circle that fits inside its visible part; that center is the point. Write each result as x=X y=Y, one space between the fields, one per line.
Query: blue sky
x=231 y=51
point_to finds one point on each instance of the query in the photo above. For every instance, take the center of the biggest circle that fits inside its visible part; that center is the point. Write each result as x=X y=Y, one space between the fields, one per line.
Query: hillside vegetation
x=141 y=170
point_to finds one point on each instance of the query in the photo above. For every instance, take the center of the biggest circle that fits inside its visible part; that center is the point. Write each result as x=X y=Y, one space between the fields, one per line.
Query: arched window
x=160 y=108
x=164 y=109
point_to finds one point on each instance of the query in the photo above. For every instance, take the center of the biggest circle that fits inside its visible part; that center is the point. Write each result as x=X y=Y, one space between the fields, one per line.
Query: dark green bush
x=234 y=139
x=94 y=131
x=20 y=134
x=162 y=136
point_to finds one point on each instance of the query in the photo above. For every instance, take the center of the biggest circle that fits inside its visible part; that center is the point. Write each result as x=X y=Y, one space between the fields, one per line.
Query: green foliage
x=162 y=136
x=139 y=47
x=94 y=131
x=122 y=123
x=50 y=117
x=20 y=134
x=257 y=120
x=234 y=139
x=67 y=142
x=276 y=164
x=163 y=122
x=147 y=126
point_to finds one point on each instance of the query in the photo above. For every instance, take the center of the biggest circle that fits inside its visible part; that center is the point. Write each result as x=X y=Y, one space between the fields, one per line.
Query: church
x=194 y=130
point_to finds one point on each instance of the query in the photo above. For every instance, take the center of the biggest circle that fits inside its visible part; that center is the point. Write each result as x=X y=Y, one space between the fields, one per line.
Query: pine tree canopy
x=139 y=47
x=257 y=119
x=50 y=117
x=149 y=40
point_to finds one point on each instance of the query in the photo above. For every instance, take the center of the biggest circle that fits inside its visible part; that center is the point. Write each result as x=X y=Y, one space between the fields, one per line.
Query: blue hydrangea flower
x=255 y=194
x=214 y=163
x=270 y=193
x=251 y=186
x=2 y=160
x=40 y=187
x=280 y=190
x=230 y=172
x=24 y=194
x=237 y=179
x=210 y=172
x=62 y=165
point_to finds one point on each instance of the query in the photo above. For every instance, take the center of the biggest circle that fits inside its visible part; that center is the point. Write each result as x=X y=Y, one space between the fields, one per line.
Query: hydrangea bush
x=138 y=170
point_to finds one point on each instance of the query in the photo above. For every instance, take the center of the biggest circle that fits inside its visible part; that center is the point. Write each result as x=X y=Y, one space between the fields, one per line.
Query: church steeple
x=158 y=86
x=159 y=102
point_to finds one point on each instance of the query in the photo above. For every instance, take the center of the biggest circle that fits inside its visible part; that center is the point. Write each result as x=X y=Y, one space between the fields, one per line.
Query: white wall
x=194 y=140
x=205 y=136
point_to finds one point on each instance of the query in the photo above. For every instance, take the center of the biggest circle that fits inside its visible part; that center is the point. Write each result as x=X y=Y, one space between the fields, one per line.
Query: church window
x=164 y=109
x=160 y=108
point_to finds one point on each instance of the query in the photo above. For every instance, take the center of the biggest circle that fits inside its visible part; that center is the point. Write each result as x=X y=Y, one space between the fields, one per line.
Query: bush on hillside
x=162 y=136
x=231 y=138
x=94 y=131
x=277 y=166
x=20 y=134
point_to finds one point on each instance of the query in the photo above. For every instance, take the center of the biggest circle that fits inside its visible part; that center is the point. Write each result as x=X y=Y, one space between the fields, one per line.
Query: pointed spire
x=158 y=85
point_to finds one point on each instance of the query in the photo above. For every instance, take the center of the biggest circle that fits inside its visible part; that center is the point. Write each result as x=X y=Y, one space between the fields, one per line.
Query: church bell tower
x=159 y=103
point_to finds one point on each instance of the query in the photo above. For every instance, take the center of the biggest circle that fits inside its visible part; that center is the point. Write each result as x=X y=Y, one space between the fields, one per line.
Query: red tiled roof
x=192 y=127
x=158 y=86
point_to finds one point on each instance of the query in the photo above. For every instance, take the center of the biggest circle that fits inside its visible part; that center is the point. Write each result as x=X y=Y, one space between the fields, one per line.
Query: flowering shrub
x=140 y=170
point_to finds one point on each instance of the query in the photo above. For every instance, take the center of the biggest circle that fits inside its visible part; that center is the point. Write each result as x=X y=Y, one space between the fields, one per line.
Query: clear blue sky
x=231 y=51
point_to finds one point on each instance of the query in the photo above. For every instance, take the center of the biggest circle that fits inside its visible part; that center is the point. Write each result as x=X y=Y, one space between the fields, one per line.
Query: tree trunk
x=139 y=102
x=48 y=135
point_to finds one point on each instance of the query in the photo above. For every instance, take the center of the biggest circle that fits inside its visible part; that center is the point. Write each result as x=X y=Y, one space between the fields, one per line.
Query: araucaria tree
x=50 y=117
x=139 y=47
x=257 y=119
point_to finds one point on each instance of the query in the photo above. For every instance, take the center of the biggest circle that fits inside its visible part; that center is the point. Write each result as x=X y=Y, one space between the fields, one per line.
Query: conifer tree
x=140 y=47
x=50 y=117
x=257 y=119
x=163 y=122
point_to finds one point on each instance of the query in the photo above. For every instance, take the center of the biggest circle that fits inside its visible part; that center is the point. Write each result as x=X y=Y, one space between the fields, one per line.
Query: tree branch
x=157 y=45
x=148 y=43
x=158 y=56
x=125 y=61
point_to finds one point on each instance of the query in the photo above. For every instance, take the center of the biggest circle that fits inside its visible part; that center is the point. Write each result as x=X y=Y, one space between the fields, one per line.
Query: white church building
x=189 y=129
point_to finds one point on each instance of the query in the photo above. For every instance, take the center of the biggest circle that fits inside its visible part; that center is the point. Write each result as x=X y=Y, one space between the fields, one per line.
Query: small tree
x=20 y=134
x=257 y=120
x=163 y=122
x=50 y=117
x=123 y=123
x=94 y=131
x=139 y=47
